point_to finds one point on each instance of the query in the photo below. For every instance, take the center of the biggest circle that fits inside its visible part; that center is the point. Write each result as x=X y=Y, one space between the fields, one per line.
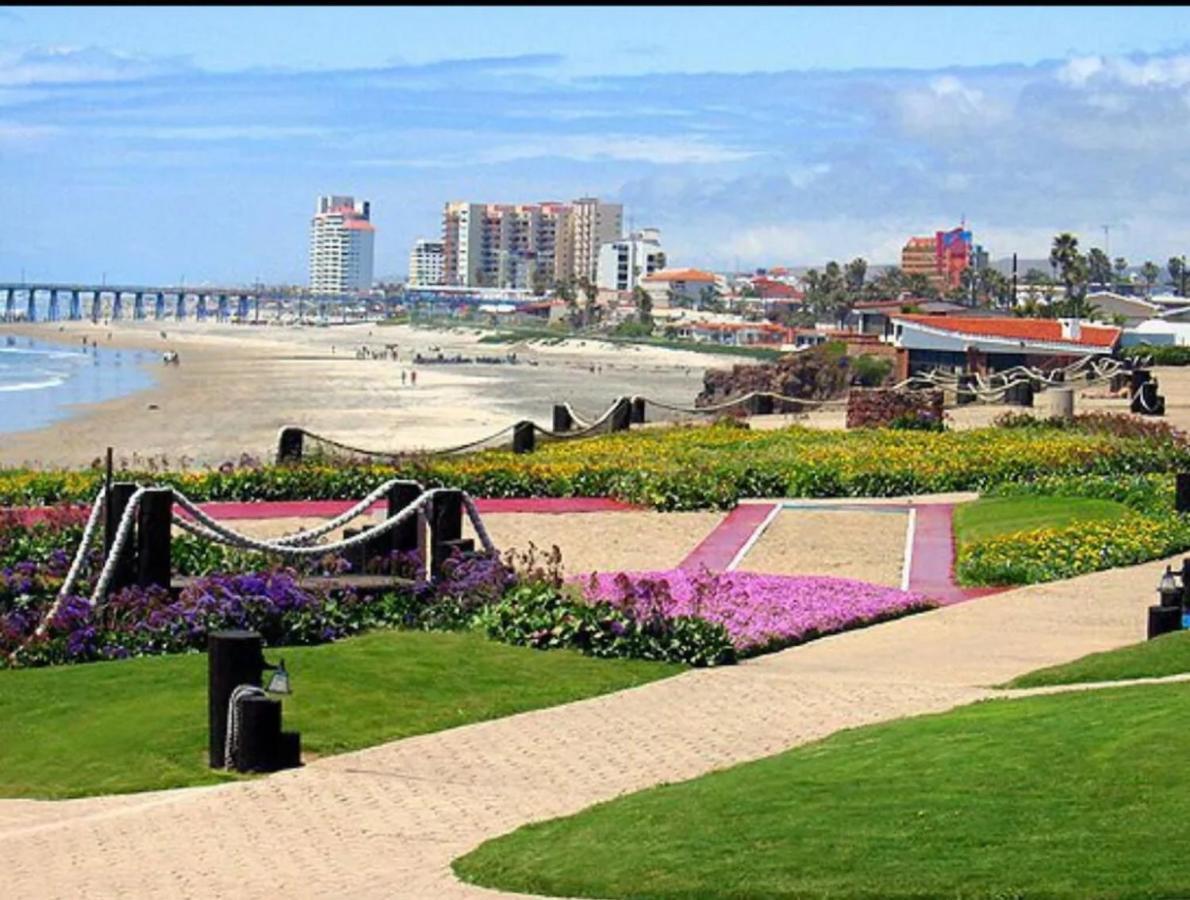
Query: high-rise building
x=525 y=245
x=593 y=224
x=426 y=264
x=942 y=258
x=341 y=241
x=623 y=263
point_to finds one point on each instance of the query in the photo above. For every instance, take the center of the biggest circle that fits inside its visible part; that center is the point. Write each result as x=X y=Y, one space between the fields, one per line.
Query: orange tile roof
x=680 y=275
x=1044 y=330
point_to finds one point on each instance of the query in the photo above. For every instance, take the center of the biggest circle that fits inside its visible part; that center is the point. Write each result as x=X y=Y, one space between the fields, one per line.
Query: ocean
x=39 y=382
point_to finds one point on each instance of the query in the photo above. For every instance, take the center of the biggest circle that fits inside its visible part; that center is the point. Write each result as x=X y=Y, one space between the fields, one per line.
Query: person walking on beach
x=413 y=379
x=402 y=378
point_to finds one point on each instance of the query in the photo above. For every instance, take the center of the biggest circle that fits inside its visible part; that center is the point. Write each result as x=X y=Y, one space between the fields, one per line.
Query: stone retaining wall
x=874 y=407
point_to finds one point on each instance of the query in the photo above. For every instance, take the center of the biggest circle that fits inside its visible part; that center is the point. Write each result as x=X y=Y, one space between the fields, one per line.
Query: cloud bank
x=150 y=167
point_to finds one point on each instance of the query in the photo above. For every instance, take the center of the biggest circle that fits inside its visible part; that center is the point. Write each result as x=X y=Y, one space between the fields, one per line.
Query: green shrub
x=1162 y=354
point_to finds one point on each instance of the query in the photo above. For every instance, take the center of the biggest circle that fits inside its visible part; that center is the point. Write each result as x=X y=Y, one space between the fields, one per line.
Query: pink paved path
x=719 y=547
x=325 y=509
x=931 y=567
x=931 y=571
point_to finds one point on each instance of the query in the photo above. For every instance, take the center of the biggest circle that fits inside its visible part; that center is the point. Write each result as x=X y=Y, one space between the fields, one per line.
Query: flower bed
x=759 y=612
x=1151 y=530
x=145 y=622
x=688 y=467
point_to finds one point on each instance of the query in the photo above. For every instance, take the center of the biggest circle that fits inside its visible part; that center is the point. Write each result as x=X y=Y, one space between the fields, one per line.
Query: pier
x=53 y=302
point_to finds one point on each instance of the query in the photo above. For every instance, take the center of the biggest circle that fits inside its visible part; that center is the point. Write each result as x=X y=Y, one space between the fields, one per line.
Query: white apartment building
x=426 y=264
x=341 y=242
x=525 y=246
x=624 y=262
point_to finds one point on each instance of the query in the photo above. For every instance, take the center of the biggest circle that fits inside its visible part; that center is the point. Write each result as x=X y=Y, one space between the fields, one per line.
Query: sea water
x=40 y=383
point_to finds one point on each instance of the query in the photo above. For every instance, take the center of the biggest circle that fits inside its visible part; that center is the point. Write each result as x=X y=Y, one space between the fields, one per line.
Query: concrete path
x=386 y=822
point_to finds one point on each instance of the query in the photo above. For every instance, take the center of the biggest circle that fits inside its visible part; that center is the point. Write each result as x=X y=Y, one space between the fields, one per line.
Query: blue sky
x=155 y=143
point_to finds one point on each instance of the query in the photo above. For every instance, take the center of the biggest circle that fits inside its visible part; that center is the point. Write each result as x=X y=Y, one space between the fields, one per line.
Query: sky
x=148 y=145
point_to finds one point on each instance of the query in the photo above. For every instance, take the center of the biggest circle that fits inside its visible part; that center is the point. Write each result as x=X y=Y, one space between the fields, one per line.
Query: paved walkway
x=386 y=822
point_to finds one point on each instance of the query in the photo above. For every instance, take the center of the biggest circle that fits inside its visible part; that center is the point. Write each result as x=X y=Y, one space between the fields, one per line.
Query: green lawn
x=141 y=724
x=1072 y=796
x=1166 y=655
x=992 y=516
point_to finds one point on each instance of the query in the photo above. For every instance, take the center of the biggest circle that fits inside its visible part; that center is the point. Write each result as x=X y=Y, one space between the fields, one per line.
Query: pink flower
x=760 y=612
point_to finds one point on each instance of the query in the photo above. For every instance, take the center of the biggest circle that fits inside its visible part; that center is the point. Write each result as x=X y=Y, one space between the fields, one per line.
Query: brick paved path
x=386 y=822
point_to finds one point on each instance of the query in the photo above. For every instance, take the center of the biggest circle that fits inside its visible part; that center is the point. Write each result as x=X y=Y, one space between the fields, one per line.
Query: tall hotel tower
x=341 y=238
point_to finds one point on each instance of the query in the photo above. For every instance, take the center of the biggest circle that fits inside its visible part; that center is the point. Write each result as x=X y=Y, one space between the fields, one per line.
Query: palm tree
x=854 y=273
x=1100 y=267
x=1150 y=273
x=1177 y=273
x=1065 y=256
x=1121 y=266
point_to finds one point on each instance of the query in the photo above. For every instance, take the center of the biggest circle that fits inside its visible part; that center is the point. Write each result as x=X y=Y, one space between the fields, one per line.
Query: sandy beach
x=237 y=385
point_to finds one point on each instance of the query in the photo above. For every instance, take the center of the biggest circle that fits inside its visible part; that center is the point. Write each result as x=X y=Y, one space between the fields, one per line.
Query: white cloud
x=1156 y=71
x=67 y=65
x=949 y=108
x=1079 y=70
x=674 y=151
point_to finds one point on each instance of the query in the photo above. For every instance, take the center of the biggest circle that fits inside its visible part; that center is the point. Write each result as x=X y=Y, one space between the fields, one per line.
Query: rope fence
x=522 y=436
x=202 y=525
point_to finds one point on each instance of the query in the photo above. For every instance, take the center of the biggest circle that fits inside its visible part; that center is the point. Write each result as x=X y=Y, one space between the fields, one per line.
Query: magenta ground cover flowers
x=759 y=612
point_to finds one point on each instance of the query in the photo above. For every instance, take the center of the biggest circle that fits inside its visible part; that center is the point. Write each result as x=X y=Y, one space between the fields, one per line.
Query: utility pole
x=1014 y=280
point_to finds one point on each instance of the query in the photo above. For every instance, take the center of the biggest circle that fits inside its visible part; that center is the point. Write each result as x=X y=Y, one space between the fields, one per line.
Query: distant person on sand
x=402 y=377
x=413 y=379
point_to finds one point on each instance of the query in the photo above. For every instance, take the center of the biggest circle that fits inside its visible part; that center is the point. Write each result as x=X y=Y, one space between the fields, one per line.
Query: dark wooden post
x=289 y=445
x=404 y=537
x=260 y=735
x=1182 y=497
x=522 y=437
x=407 y=535
x=1163 y=620
x=154 y=518
x=562 y=418
x=964 y=390
x=446 y=525
x=621 y=415
x=233 y=658
x=124 y=573
x=636 y=412
x=762 y=405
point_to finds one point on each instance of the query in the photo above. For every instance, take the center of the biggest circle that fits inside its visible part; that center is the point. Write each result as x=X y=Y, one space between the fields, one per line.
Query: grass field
x=994 y=516
x=1166 y=655
x=141 y=724
x=1066 y=796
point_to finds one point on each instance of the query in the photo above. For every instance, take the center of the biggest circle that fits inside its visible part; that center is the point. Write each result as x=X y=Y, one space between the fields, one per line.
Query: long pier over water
x=75 y=302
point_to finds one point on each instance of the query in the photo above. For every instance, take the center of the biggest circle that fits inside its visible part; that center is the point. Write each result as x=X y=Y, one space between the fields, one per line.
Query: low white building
x=624 y=262
x=427 y=264
x=1168 y=331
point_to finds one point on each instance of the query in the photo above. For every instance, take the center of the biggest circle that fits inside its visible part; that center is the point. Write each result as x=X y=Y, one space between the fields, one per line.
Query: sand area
x=237 y=385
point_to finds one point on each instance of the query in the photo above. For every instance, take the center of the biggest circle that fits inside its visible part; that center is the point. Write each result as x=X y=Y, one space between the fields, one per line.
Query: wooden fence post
x=154 y=519
x=124 y=573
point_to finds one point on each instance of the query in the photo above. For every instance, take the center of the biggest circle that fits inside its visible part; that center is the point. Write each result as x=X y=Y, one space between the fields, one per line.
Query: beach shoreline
x=237 y=385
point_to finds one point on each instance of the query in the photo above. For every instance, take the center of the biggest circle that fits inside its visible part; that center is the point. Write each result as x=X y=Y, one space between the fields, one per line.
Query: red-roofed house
x=687 y=283
x=991 y=344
